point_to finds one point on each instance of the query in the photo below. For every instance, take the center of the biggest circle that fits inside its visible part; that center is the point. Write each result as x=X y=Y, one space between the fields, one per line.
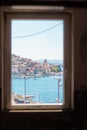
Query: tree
x=56 y=69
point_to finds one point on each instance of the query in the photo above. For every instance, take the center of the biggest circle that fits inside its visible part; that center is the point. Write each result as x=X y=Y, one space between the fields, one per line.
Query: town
x=27 y=67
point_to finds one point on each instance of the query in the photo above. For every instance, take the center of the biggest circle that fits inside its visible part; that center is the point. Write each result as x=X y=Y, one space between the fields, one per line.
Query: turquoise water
x=44 y=89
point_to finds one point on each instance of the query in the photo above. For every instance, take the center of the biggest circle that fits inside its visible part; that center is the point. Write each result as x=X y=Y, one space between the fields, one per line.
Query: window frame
x=34 y=12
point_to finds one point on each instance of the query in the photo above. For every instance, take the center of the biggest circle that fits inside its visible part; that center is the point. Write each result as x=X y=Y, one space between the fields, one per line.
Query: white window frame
x=34 y=12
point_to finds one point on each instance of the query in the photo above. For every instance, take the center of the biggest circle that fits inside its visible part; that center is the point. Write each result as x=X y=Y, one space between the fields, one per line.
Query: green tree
x=56 y=69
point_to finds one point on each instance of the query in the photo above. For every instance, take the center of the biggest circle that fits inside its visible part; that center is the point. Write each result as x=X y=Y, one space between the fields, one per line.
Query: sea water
x=44 y=89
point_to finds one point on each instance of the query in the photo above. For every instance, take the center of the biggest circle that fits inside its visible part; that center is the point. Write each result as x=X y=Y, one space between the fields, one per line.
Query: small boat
x=35 y=78
x=20 y=99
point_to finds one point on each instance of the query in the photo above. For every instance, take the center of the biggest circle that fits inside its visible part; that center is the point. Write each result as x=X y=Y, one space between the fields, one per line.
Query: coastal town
x=27 y=67
x=33 y=69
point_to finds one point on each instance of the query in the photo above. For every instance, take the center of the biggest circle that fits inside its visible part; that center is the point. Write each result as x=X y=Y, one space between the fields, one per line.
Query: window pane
x=37 y=62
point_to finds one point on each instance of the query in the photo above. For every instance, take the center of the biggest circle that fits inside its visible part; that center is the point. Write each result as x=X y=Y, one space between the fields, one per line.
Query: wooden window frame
x=34 y=12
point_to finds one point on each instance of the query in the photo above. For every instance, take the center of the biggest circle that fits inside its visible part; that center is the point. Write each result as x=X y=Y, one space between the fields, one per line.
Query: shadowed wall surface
x=75 y=120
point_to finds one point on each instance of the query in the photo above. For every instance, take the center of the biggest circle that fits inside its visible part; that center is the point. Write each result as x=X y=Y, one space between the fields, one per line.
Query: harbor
x=39 y=90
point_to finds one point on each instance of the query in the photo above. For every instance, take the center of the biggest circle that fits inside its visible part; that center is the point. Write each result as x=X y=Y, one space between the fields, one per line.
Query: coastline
x=37 y=76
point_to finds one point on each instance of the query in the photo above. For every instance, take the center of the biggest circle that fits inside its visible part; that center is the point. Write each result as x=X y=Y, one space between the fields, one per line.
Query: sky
x=37 y=39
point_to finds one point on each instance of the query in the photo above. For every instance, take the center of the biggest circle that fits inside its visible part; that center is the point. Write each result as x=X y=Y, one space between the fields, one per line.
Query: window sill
x=40 y=111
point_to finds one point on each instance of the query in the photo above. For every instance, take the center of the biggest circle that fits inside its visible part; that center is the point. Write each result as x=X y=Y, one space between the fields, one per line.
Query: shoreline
x=37 y=76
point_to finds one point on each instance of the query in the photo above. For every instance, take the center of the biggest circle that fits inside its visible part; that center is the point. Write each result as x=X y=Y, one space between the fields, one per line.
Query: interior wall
x=80 y=47
x=25 y=121
x=0 y=62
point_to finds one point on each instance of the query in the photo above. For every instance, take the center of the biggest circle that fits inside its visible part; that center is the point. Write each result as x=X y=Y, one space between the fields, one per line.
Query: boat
x=21 y=99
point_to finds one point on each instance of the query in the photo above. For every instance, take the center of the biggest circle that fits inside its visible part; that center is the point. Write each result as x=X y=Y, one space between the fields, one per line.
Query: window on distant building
x=37 y=58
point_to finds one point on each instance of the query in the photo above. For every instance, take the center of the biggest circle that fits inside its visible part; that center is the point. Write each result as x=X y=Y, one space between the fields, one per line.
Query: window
x=37 y=58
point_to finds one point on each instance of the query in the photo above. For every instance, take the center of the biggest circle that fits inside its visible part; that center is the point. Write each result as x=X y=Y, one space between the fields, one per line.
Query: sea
x=44 y=89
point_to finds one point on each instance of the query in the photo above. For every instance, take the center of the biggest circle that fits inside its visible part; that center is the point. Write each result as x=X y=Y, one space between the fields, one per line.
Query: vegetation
x=56 y=69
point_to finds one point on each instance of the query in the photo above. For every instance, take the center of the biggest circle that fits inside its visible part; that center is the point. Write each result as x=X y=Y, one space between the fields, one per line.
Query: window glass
x=37 y=62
